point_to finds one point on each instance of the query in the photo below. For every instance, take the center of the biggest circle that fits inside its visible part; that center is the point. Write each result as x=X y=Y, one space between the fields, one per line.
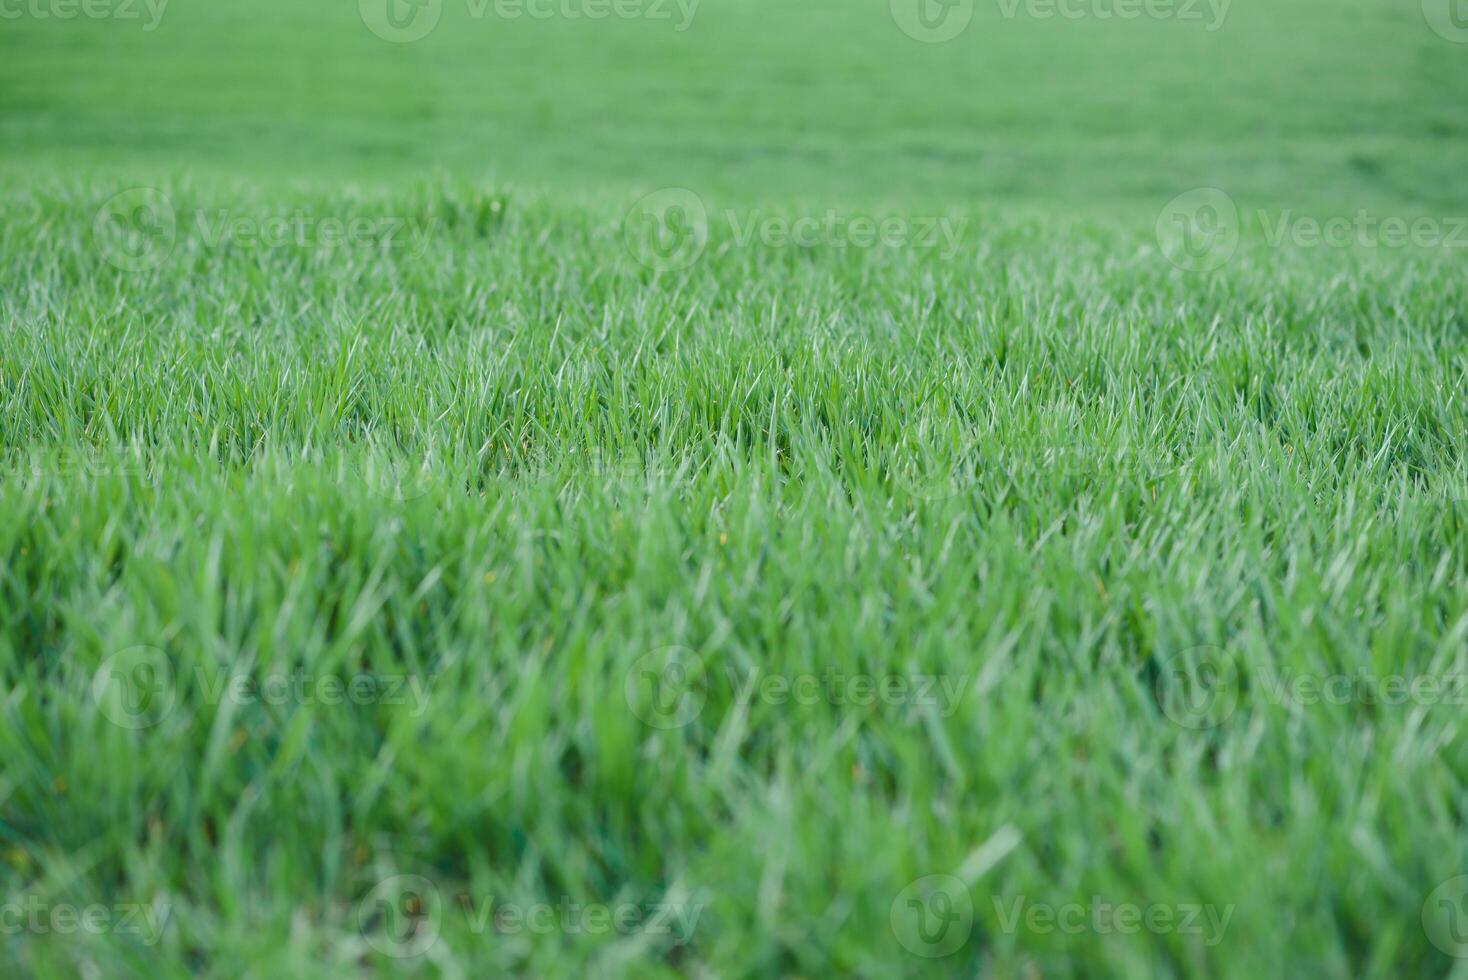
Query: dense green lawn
x=767 y=498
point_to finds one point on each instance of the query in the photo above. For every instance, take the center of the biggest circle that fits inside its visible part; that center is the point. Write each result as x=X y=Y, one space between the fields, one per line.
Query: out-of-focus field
x=1357 y=103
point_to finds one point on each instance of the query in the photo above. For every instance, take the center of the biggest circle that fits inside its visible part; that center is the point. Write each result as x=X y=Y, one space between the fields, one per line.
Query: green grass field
x=733 y=488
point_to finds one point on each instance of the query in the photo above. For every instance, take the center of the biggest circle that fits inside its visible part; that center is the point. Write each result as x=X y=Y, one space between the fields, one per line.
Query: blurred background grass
x=1286 y=102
